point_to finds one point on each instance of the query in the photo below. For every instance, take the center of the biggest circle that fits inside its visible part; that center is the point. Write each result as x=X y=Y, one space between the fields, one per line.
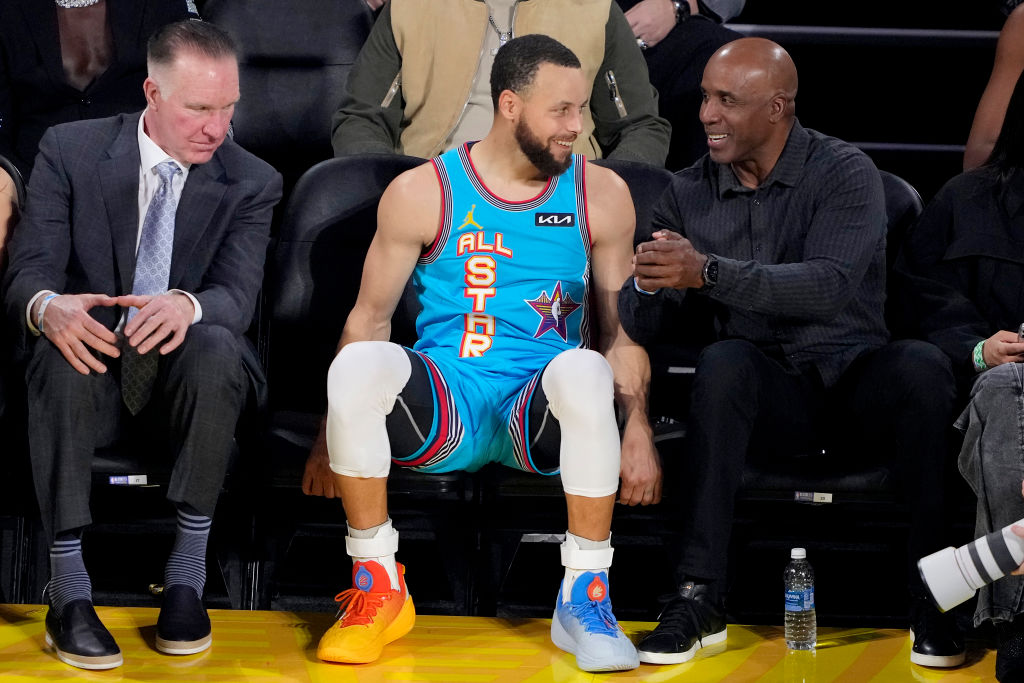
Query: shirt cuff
x=195 y=303
x=28 y=311
x=642 y=290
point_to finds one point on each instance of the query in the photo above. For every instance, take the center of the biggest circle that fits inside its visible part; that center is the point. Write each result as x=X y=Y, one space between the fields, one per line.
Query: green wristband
x=979 y=357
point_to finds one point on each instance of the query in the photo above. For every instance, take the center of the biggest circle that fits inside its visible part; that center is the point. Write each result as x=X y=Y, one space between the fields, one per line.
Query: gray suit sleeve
x=232 y=281
x=41 y=243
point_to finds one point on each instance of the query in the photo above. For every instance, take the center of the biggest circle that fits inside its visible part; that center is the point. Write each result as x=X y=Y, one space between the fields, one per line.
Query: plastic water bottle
x=801 y=624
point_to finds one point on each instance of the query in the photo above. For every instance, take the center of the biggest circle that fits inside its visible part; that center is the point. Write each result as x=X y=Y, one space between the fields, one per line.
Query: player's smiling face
x=552 y=117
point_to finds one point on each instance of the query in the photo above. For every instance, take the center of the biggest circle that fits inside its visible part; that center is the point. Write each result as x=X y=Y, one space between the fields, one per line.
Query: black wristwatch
x=682 y=10
x=710 y=273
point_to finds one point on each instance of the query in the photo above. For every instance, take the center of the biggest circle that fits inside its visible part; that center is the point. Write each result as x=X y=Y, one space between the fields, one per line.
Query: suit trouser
x=197 y=398
x=893 y=404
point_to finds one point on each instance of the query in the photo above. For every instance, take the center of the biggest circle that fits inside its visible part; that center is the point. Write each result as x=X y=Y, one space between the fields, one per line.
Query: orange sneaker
x=371 y=615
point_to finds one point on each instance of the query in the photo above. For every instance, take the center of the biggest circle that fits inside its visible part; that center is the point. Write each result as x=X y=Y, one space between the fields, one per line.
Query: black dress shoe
x=937 y=640
x=1010 y=651
x=80 y=638
x=183 y=627
x=693 y=619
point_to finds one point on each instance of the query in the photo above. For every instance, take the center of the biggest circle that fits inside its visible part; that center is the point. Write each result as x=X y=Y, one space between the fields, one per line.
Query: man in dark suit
x=133 y=278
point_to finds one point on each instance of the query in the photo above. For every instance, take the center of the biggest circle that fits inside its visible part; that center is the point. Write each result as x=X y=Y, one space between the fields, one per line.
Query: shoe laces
x=358 y=607
x=680 y=612
x=595 y=616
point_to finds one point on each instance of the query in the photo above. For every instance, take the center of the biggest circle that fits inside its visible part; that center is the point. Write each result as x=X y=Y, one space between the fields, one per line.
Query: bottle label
x=800 y=601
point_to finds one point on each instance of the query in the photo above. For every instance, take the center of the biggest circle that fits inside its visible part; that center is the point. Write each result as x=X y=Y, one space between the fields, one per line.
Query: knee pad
x=364 y=380
x=580 y=389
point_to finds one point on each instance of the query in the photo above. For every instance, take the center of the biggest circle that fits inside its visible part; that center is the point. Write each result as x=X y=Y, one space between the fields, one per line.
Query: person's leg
x=382 y=400
x=69 y=415
x=742 y=401
x=897 y=401
x=199 y=392
x=992 y=462
x=574 y=402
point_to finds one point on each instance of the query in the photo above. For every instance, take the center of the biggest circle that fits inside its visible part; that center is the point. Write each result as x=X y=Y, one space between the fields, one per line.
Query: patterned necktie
x=152 y=270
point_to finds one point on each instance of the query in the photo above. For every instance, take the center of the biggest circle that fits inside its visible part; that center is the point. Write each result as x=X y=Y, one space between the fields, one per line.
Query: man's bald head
x=766 y=63
x=749 y=89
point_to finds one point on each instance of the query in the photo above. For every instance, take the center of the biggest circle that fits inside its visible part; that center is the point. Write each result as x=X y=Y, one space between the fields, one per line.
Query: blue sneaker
x=586 y=627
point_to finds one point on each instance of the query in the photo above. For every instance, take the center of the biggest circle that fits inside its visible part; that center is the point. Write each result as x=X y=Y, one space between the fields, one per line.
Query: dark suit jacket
x=34 y=94
x=81 y=222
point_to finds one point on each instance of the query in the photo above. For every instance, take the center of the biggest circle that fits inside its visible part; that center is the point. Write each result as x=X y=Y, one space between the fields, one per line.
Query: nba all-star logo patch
x=553 y=311
x=597 y=591
x=364 y=579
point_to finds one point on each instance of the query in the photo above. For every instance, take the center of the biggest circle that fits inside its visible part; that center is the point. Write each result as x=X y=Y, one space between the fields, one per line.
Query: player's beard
x=538 y=153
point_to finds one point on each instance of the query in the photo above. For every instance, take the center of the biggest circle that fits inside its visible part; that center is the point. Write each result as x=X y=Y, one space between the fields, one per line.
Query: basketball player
x=517 y=249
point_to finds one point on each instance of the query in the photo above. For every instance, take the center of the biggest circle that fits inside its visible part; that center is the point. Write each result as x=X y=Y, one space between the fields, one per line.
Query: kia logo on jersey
x=566 y=219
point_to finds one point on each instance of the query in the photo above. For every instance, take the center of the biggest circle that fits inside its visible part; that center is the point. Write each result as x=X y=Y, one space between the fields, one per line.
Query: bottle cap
x=798 y=553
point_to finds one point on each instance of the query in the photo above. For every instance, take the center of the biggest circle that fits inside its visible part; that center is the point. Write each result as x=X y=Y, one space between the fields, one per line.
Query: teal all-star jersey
x=504 y=286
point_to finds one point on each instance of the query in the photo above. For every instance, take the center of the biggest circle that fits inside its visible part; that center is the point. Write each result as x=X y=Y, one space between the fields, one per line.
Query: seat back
x=292 y=71
x=646 y=184
x=314 y=271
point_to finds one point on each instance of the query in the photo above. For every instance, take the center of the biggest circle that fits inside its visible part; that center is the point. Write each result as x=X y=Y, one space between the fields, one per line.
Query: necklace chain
x=71 y=4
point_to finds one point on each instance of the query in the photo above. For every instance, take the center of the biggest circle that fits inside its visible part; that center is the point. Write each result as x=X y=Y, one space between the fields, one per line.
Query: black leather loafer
x=183 y=627
x=80 y=638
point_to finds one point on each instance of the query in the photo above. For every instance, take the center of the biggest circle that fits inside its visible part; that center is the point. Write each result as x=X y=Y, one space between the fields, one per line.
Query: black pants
x=893 y=404
x=197 y=398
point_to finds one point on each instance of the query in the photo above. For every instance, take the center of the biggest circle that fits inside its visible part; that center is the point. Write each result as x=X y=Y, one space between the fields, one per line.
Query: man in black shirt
x=785 y=234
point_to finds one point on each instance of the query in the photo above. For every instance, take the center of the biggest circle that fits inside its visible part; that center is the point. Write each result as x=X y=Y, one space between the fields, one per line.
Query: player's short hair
x=515 y=65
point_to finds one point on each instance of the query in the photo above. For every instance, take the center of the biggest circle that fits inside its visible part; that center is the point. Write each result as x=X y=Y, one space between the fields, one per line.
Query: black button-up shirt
x=801 y=257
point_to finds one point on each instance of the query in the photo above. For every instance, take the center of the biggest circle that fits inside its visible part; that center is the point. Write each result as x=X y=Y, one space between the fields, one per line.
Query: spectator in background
x=420 y=83
x=72 y=59
x=961 y=275
x=678 y=37
x=784 y=229
x=988 y=118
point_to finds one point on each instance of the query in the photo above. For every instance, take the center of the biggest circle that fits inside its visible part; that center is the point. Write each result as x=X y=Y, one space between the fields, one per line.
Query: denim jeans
x=992 y=462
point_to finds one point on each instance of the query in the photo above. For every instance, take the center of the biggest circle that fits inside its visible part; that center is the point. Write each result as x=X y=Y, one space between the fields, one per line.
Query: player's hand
x=640 y=467
x=67 y=323
x=1002 y=347
x=159 y=317
x=651 y=20
x=318 y=478
x=669 y=260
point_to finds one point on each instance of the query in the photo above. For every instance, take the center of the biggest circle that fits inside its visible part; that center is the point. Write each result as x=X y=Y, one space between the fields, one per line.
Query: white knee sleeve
x=580 y=389
x=362 y=385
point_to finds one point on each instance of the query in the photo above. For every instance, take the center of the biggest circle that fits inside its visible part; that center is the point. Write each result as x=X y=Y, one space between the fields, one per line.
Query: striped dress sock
x=187 y=563
x=68 y=579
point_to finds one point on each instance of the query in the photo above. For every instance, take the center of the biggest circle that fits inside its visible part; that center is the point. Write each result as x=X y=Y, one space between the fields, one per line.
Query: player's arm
x=612 y=221
x=407 y=220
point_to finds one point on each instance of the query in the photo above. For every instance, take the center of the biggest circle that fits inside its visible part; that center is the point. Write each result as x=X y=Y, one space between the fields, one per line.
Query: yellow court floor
x=267 y=647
